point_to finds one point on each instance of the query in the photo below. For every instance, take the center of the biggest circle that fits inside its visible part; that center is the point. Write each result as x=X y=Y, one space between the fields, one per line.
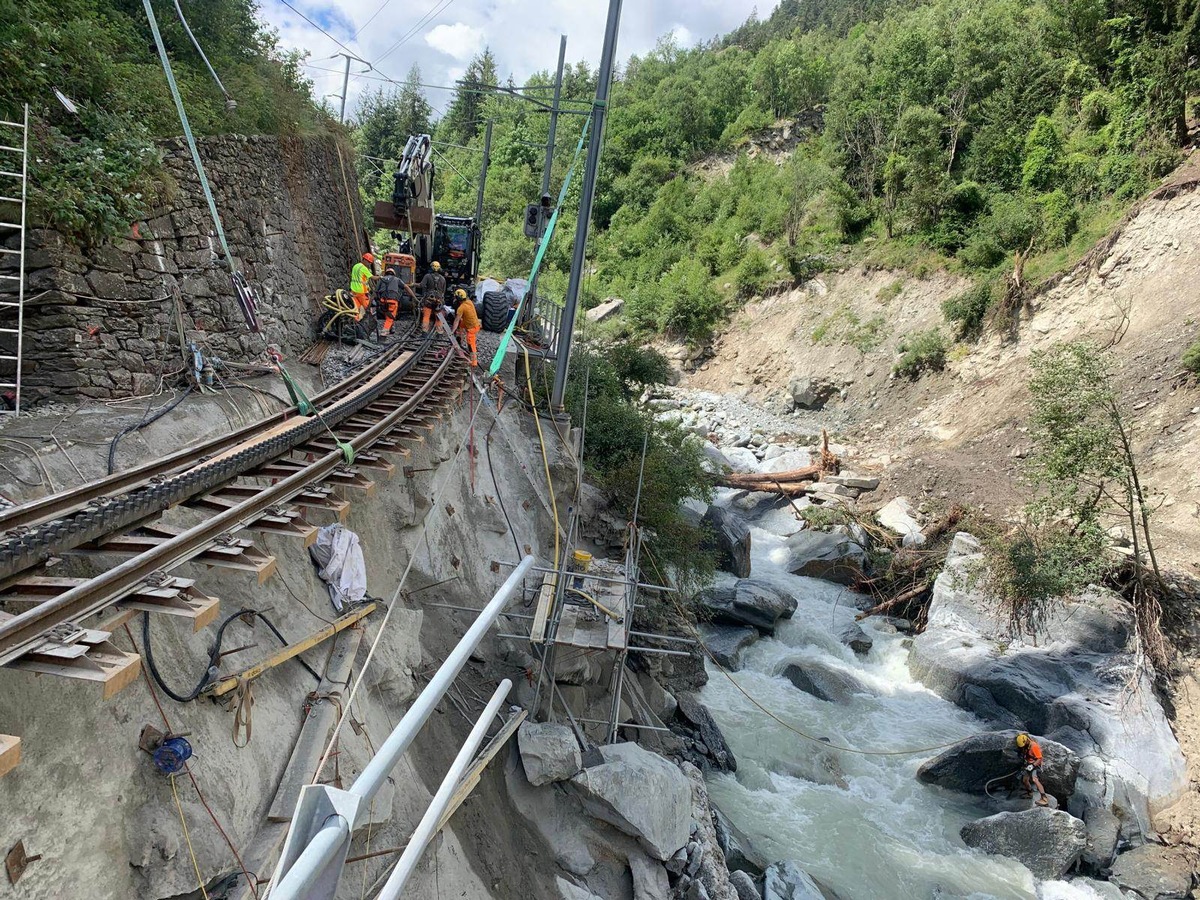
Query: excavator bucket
x=418 y=219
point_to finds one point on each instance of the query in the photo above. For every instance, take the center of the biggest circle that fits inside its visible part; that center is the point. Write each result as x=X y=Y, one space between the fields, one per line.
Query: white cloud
x=460 y=40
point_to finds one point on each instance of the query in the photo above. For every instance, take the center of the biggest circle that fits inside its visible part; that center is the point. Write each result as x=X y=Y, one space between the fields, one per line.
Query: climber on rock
x=1031 y=764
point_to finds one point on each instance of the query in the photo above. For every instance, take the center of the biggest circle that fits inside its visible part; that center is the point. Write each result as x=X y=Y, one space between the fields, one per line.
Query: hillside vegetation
x=956 y=133
x=97 y=169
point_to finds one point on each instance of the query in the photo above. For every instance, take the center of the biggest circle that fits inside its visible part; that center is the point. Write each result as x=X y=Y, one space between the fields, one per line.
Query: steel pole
x=546 y=166
x=373 y=777
x=571 y=302
x=345 y=88
x=428 y=825
x=483 y=170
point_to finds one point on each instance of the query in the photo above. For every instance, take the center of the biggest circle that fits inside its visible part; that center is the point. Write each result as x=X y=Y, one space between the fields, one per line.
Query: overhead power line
x=361 y=27
x=318 y=27
x=439 y=7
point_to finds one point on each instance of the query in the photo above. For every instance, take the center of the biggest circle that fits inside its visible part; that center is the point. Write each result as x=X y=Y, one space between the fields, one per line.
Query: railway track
x=240 y=478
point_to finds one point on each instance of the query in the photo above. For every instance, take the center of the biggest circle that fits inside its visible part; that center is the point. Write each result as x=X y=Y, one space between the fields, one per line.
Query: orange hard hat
x=368 y=257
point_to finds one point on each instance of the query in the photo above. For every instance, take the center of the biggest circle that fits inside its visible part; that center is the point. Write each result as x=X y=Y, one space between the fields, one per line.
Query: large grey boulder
x=970 y=764
x=726 y=642
x=696 y=715
x=549 y=752
x=641 y=794
x=744 y=885
x=852 y=635
x=747 y=601
x=787 y=881
x=831 y=555
x=1154 y=872
x=568 y=890
x=899 y=516
x=650 y=881
x=729 y=536
x=823 y=681
x=1080 y=679
x=1046 y=841
x=811 y=393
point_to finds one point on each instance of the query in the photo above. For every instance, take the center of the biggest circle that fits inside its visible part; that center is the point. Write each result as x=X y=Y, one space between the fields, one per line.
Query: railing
x=318 y=840
x=547 y=313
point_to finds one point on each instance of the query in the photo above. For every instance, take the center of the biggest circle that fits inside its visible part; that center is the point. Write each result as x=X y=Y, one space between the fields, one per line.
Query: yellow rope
x=188 y=839
x=796 y=731
x=537 y=419
x=349 y=202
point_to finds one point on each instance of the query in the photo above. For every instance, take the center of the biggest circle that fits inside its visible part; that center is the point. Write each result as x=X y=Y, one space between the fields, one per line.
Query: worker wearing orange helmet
x=1031 y=762
x=433 y=293
x=466 y=322
x=360 y=278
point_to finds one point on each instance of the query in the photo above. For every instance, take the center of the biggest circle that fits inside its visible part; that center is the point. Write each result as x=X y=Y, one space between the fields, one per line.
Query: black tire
x=343 y=331
x=495 y=311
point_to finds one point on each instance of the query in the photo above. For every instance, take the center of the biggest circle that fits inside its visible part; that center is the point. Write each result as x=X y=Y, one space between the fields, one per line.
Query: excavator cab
x=456 y=247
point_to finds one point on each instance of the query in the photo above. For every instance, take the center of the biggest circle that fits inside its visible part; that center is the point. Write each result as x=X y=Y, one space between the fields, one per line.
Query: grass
x=923 y=351
x=1096 y=222
x=845 y=326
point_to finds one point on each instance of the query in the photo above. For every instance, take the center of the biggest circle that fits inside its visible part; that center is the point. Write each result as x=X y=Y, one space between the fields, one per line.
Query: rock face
x=739 y=855
x=311 y=237
x=831 y=555
x=641 y=794
x=731 y=540
x=726 y=643
x=1078 y=680
x=1154 y=872
x=548 y=752
x=606 y=310
x=787 y=881
x=823 y=681
x=899 y=516
x=747 y=601
x=744 y=885
x=1045 y=841
x=695 y=714
x=970 y=764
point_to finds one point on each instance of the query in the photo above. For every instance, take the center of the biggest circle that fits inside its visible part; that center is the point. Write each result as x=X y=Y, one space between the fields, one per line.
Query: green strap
x=306 y=407
x=498 y=359
x=187 y=132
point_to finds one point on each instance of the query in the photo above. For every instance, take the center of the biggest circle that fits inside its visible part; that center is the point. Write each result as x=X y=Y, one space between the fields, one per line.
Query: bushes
x=969 y=309
x=753 y=273
x=922 y=352
x=1191 y=358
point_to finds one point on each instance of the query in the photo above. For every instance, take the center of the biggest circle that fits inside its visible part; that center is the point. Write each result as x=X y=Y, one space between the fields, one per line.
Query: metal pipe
x=624 y=725
x=320 y=853
x=546 y=166
x=649 y=587
x=428 y=825
x=662 y=637
x=658 y=652
x=375 y=774
x=475 y=610
x=571 y=304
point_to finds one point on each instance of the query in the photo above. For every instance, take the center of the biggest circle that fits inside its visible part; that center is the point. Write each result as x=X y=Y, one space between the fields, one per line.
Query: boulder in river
x=641 y=794
x=970 y=764
x=726 y=643
x=832 y=555
x=787 y=881
x=899 y=516
x=823 y=681
x=747 y=601
x=1080 y=680
x=739 y=854
x=549 y=752
x=1154 y=872
x=852 y=635
x=1046 y=841
x=730 y=537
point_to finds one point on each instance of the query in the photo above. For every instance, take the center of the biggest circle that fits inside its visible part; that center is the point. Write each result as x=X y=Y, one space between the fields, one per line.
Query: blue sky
x=441 y=36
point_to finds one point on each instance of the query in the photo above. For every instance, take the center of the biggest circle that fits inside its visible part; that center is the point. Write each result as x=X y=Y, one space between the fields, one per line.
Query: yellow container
x=582 y=559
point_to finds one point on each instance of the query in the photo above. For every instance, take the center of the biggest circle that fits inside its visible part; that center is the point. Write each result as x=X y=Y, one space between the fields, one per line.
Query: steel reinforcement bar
x=22 y=632
x=69 y=501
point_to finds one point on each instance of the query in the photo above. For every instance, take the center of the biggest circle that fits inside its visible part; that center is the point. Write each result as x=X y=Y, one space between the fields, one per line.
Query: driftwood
x=912 y=571
x=791 y=483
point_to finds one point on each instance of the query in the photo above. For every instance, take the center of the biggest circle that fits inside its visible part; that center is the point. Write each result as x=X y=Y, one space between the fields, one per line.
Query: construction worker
x=466 y=323
x=1031 y=762
x=360 y=279
x=433 y=293
x=389 y=290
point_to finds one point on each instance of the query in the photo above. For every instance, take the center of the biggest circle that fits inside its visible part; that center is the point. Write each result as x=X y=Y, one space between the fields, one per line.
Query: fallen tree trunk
x=791 y=483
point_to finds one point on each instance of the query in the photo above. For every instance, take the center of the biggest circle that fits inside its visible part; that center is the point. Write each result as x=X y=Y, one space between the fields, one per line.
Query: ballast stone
x=549 y=752
x=641 y=794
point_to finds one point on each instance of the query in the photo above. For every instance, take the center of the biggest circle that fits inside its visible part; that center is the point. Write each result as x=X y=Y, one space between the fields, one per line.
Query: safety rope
x=187 y=838
x=541 y=251
x=187 y=132
x=243 y=712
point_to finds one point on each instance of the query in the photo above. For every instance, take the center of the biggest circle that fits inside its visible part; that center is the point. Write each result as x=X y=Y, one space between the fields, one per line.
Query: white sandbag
x=341 y=566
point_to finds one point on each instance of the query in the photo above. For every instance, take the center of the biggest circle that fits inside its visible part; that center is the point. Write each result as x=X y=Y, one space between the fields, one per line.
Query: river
x=862 y=824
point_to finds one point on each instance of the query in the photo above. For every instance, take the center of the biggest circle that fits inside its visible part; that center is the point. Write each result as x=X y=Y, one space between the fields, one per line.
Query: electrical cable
x=318 y=27
x=147 y=419
x=210 y=672
x=439 y=7
x=370 y=19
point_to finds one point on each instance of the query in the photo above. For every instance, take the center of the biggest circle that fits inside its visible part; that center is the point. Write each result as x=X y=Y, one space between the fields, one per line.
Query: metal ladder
x=14 y=177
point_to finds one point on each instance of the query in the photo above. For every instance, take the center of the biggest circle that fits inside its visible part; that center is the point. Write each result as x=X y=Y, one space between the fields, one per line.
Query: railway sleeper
x=239 y=554
x=282 y=521
x=83 y=654
x=169 y=595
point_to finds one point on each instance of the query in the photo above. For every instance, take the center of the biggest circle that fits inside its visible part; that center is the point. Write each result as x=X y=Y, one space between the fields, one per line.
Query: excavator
x=425 y=237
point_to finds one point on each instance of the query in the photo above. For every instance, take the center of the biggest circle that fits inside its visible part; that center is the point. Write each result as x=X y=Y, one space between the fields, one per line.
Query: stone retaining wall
x=102 y=321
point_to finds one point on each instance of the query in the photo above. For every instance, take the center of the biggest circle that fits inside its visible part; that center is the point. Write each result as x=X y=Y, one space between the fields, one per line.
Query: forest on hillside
x=944 y=133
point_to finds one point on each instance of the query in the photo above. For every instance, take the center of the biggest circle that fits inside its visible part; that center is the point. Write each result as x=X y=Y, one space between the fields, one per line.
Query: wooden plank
x=10 y=753
x=471 y=777
x=225 y=685
x=537 y=633
x=314 y=731
x=186 y=602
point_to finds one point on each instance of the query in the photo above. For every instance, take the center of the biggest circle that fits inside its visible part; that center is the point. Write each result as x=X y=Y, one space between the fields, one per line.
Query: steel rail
x=23 y=632
x=65 y=502
x=24 y=550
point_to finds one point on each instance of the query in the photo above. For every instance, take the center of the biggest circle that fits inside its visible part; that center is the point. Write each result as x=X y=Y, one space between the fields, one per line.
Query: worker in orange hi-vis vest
x=1031 y=761
x=360 y=277
x=466 y=322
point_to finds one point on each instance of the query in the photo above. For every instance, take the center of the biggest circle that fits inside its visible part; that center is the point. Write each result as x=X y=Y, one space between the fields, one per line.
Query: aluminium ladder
x=14 y=177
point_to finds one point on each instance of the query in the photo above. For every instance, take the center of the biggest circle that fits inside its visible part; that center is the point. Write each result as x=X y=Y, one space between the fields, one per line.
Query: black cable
x=147 y=419
x=210 y=672
x=487 y=444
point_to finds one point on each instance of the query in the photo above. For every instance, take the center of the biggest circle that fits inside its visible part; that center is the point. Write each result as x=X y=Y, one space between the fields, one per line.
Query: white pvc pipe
x=373 y=777
x=427 y=827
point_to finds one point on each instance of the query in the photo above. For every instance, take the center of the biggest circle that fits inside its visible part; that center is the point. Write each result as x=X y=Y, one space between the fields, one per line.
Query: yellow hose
x=596 y=603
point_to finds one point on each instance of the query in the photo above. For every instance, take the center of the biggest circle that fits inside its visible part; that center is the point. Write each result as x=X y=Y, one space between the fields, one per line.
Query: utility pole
x=543 y=220
x=483 y=170
x=346 y=80
x=571 y=303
